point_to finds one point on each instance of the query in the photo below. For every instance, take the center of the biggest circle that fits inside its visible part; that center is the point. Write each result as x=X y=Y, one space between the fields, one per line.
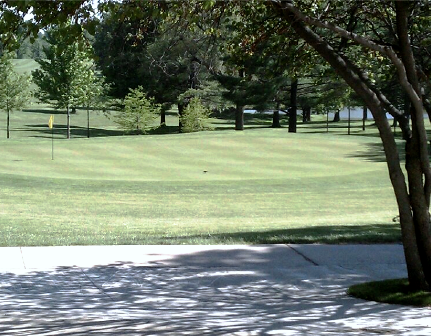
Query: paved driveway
x=201 y=290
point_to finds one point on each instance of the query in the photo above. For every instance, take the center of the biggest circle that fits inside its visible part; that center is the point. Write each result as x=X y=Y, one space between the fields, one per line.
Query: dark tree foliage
x=120 y=46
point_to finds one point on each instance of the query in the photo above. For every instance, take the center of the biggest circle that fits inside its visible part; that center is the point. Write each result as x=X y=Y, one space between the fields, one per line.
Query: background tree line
x=177 y=57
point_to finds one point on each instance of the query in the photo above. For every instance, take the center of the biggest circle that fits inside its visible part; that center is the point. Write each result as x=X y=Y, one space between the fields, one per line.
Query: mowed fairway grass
x=256 y=186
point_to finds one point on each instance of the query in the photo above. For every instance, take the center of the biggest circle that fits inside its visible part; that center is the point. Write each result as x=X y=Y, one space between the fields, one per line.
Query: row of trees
x=68 y=79
x=177 y=56
x=381 y=50
x=173 y=61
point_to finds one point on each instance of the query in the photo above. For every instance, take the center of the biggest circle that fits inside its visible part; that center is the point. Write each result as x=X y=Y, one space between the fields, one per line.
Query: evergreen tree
x=120 y=45
x=164 y=56
x=139 y=112
x=195 y=117
x=14 y=89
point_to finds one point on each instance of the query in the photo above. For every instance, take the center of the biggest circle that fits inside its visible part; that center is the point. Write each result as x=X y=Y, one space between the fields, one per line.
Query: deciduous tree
x=66 y=76
x=321 y=25
x=14 y=89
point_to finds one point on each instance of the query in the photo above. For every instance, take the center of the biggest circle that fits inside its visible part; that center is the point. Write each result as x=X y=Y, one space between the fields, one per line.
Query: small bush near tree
x=195 y=117
x=139 y=112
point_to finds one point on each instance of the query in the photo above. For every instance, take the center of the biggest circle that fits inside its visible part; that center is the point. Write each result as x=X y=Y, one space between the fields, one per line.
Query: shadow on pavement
x=195 y=295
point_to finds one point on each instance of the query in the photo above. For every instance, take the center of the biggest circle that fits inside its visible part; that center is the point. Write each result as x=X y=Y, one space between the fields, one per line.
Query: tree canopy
x=66 y=78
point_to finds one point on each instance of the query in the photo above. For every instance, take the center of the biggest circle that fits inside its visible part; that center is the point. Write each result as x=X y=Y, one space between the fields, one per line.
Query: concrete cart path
x=201 y=290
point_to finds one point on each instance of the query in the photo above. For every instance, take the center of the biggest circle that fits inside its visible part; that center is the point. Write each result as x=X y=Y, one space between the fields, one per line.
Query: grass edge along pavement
x=393 y=291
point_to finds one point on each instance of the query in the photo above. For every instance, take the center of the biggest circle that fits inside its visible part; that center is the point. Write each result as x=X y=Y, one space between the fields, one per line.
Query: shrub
x=196 y=117
x=139 y=112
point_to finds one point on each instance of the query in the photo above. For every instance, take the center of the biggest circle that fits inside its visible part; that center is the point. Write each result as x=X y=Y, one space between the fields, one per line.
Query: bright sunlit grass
x=262 y=185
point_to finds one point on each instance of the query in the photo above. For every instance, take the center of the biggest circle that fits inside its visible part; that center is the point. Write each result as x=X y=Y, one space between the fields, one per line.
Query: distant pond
x=355 y=114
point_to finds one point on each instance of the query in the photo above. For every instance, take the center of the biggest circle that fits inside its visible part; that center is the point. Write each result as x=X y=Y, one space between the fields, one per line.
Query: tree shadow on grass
x=336 y=129
x=210 y=292
x=60 y=111
x=60 y=130
x=44 y=111
x=246 y=127
x=374 y=152
x=251 y=120
x=163 y=130
x=331 y=234
x=75 y=131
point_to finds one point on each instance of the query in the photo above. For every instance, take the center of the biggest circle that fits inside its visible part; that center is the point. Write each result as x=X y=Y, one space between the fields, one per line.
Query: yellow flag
x=51 y=121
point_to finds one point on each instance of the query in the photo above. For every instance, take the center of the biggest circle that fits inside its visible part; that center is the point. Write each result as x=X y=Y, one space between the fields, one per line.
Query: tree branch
x=410 y=76
x=364 y=41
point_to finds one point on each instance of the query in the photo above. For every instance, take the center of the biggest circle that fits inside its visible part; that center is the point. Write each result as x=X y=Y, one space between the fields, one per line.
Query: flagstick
x=51 y=126
x=52 y=141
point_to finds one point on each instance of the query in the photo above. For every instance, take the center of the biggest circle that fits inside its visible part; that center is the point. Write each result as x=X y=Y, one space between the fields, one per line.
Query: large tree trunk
x=239 y=108
x=413 y=208
x=364 y=116
x=8 y=124
x=68 y=122
x=293 y=106
x=276 y=117
x=192 y=84
x=181 y=108
x=349 y=121
x=163 y=118
x=88 y=122
x=239 y=117
x=417 y=158
x=306 y=114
